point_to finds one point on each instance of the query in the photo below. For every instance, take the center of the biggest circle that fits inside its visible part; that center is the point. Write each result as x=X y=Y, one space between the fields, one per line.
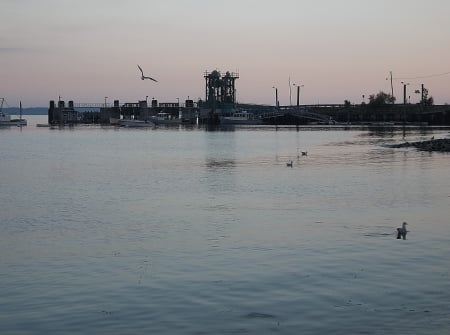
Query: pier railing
x=91 y=105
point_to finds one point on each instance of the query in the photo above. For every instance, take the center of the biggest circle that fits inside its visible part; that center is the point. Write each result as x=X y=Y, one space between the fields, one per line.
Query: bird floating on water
x=304 y=153
x=401 y=232
x=145 y=77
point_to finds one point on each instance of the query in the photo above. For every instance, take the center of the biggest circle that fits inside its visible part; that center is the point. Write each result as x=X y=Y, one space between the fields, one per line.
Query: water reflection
x=220 y=161
x=214 y=164
x=218 y=128
x=397 y=131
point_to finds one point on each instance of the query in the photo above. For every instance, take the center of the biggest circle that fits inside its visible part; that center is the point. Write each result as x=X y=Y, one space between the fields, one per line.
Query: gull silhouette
x=145 y=77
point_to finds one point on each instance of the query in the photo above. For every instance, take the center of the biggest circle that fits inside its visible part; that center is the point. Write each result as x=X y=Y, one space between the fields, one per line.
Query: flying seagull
x=145 y=77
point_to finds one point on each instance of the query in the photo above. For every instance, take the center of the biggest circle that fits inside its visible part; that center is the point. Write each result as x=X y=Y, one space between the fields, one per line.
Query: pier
x=220 y=102
x=195 y=112
x=105 y=114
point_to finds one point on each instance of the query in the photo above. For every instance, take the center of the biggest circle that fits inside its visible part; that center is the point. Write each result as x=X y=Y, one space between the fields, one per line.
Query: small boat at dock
x=241 y=118
x=5 y=118
x=165 y=118
x=135 y=123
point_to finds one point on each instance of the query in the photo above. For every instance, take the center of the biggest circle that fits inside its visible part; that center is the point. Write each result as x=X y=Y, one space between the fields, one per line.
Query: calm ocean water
x=187 y=231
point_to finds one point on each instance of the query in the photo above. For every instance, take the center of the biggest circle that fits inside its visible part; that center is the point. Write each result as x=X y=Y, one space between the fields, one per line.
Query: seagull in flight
x=145 y=77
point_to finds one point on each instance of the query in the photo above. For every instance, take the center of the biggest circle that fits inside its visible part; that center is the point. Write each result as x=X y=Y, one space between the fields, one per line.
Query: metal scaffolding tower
x=220 y=90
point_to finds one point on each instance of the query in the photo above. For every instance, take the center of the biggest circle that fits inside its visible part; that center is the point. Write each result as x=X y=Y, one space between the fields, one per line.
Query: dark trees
x=380 y=99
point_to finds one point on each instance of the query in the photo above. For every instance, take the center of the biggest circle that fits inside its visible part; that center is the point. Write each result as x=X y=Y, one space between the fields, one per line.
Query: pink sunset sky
x=339 y=50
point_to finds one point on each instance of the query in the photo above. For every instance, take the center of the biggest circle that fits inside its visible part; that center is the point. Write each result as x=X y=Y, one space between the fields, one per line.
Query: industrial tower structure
x=220 y=90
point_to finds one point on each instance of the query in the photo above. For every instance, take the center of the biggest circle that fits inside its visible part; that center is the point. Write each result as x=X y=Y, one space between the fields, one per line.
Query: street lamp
x=276 y=97
x=404 y=92
x=290 y=92
x=105 y=101
x=298 y=93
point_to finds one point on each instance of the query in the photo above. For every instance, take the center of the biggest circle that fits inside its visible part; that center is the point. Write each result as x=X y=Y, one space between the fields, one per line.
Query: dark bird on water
x=401 y=232
x=304 y=153
x=145 y=77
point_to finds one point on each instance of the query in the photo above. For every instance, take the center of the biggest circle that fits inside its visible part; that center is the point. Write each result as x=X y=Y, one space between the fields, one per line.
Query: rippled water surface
x=188 y=231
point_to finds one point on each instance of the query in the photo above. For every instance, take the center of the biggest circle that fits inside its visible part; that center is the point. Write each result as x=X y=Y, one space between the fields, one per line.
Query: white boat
x=5 y=118
x=242 y=117
x=165 y=118
x=135 y=123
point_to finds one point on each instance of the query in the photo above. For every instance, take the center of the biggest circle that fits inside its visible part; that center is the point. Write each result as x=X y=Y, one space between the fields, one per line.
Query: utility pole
x=404 y=94
x=423 y=94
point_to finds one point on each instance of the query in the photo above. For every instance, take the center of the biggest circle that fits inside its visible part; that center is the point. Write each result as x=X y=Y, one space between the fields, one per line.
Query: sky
x=86 y=50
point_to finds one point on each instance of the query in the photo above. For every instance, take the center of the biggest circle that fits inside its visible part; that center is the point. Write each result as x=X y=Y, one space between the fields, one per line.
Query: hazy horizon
x=86 y=51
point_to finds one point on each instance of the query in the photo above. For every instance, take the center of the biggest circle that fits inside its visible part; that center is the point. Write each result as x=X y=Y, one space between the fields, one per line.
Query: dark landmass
x=26 y=111
x=431 y=145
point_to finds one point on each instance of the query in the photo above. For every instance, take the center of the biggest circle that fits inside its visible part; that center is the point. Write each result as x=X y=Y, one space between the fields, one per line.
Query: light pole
x=276 y=97
x=404 y=92
x=105 y=101
x=298 y=93
x=290 y=93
